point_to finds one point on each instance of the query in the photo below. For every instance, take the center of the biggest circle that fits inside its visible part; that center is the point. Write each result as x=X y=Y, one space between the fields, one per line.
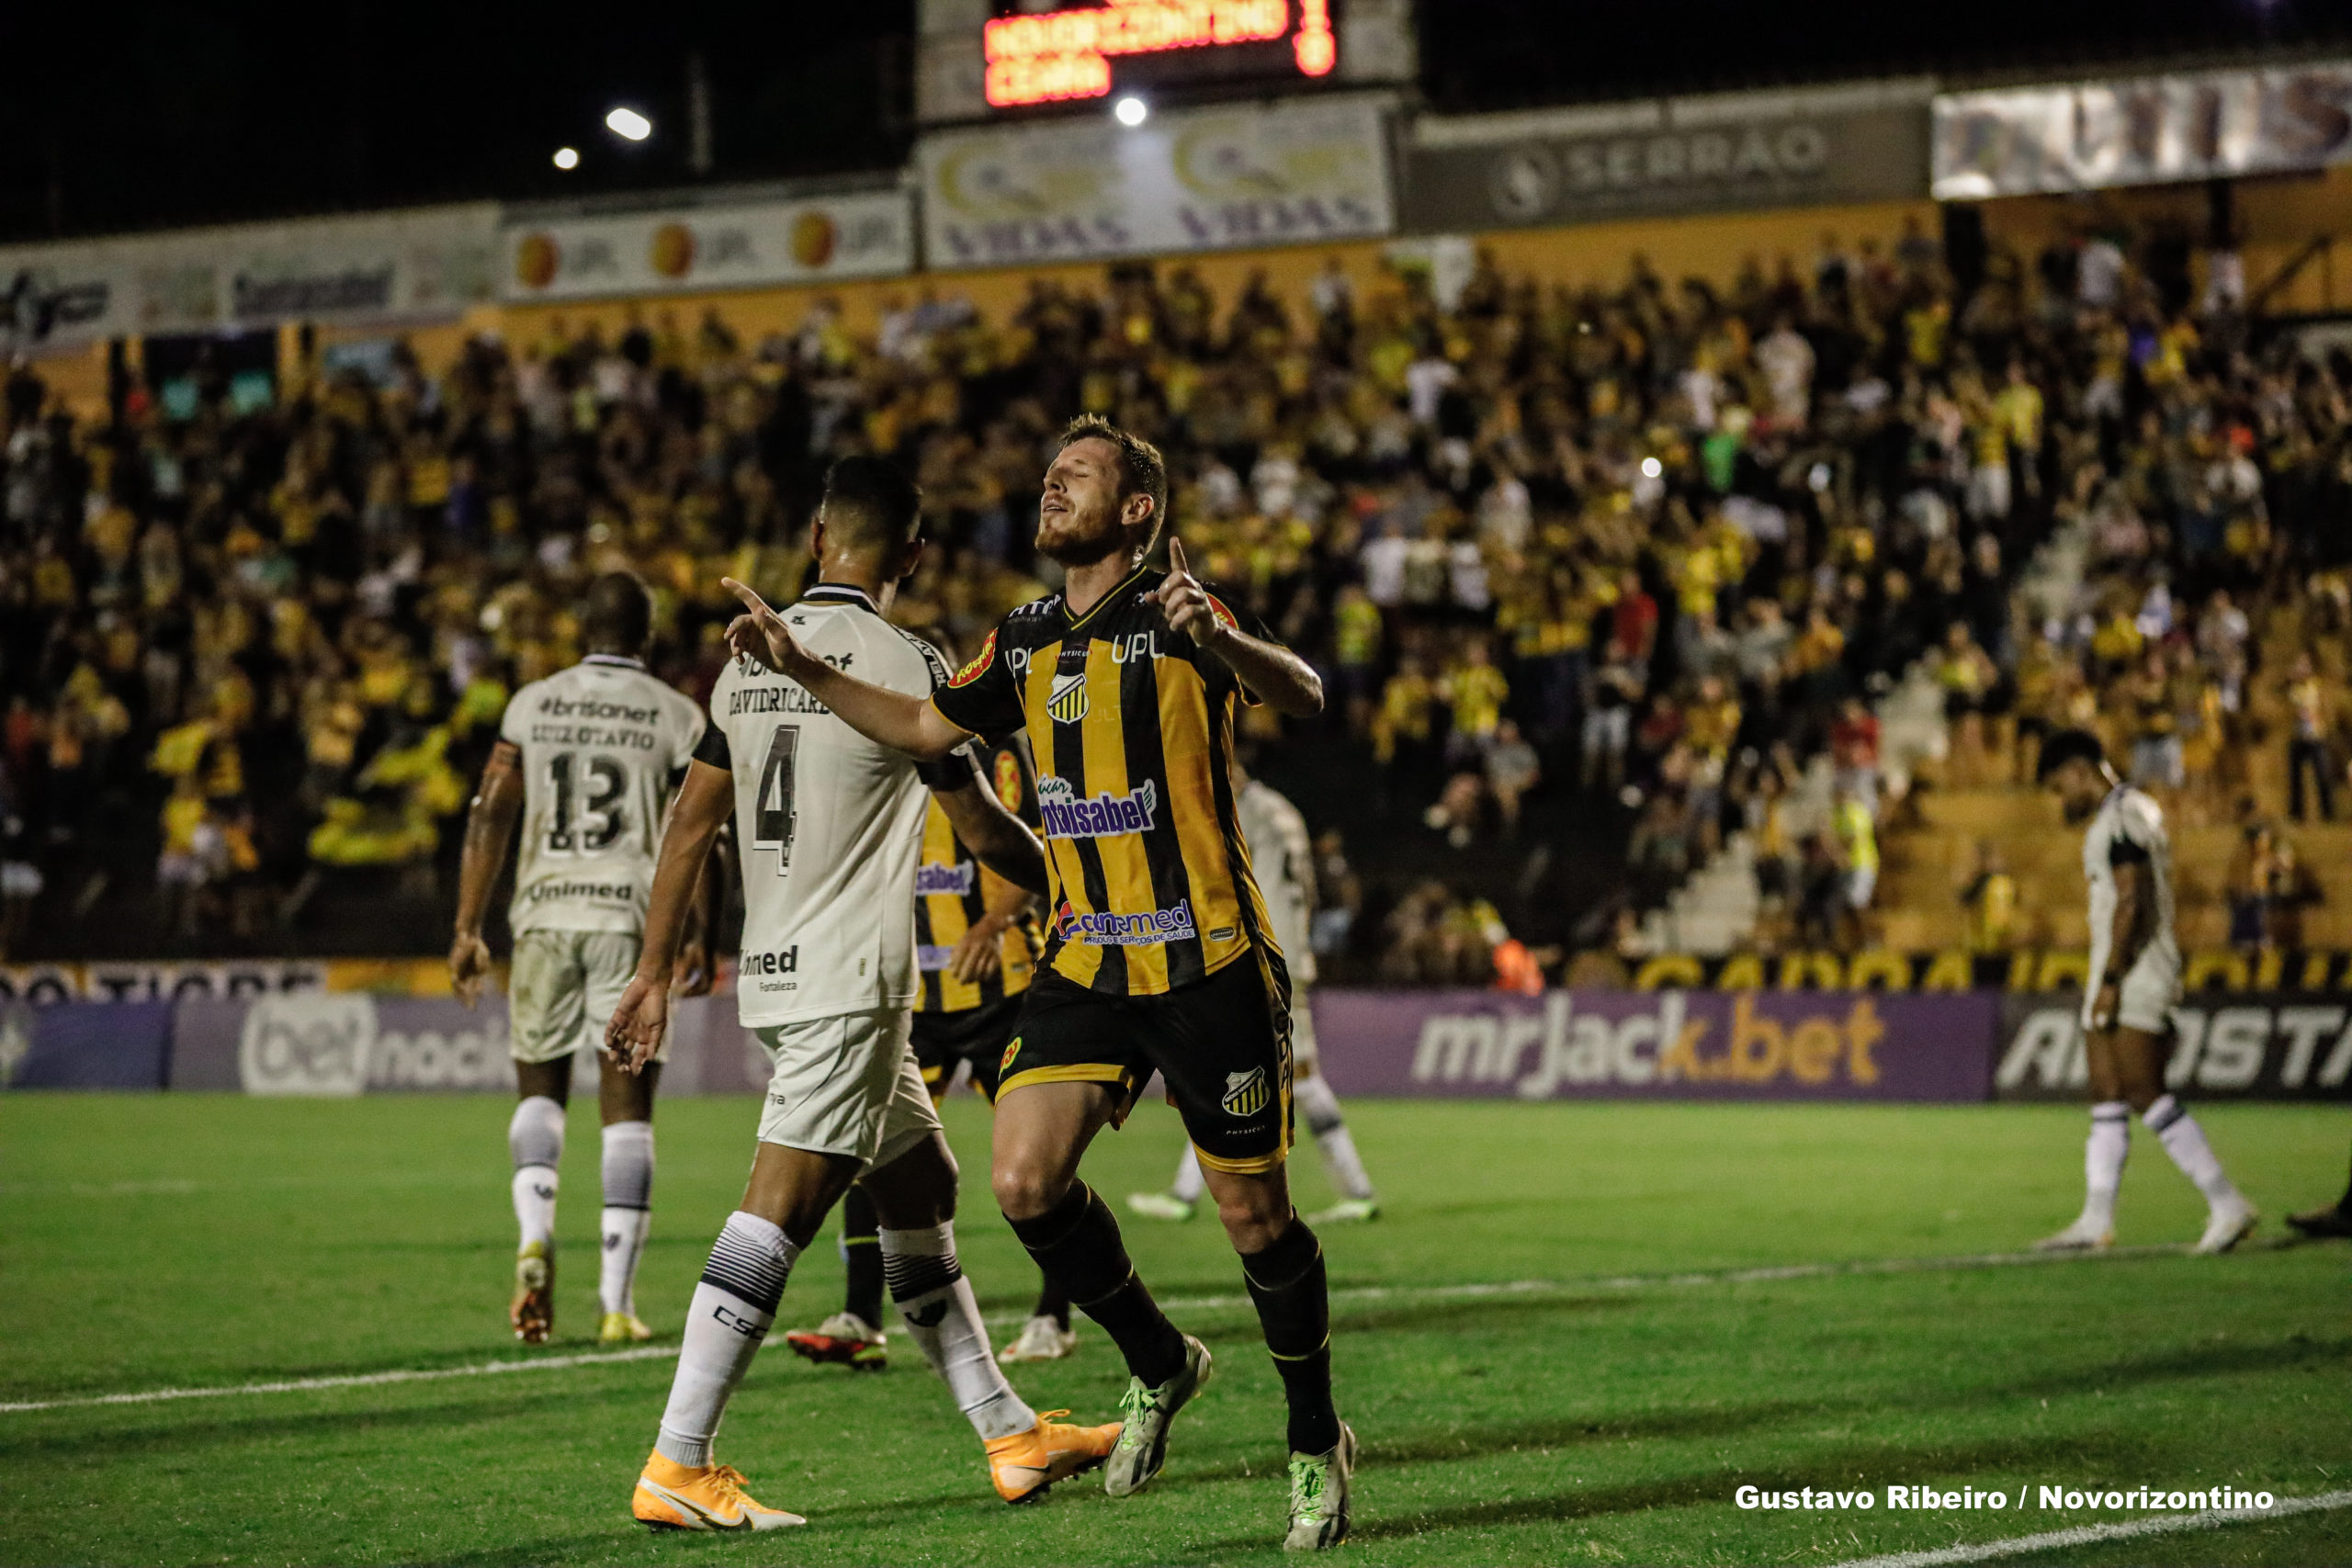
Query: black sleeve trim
x=2123 y=851
x=712 y=748
x=953 y=770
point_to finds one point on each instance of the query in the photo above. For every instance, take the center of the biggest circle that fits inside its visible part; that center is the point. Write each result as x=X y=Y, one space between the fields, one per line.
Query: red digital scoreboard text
x=1054 y=56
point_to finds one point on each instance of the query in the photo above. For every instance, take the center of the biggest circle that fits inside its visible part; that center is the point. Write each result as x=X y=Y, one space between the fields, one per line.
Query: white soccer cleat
x=1319 y=1485
x=2082 y=1235
x=1349 y=1211
x=2229 y=1224
x=1042 y=1340
x=1160 y=1206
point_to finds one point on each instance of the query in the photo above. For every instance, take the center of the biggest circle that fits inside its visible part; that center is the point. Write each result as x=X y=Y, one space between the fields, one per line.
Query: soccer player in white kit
x=829 y=828
x=1282 y=857
x=2127 y=1004
x=585 y=761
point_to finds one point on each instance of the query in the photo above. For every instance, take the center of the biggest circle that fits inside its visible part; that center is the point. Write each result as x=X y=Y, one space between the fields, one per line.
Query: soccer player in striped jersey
x=976 y=948
x=1159 y=955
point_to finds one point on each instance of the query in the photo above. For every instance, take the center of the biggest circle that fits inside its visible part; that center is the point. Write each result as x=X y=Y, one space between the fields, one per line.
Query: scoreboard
x=982 y=60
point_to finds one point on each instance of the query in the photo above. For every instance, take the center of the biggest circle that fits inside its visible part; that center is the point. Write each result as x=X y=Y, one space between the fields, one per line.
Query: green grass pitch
x=152 y=1242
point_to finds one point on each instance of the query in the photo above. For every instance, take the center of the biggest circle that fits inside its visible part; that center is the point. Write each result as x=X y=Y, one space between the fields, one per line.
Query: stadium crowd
x=1657 y=544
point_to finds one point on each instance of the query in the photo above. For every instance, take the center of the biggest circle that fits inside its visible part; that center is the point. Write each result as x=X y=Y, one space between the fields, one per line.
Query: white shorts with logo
x=563 y=989
x=846 y=1085
x=2149 y=990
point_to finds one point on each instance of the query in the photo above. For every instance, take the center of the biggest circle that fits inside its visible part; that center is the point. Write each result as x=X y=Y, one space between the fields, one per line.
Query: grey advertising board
x=1663 y=157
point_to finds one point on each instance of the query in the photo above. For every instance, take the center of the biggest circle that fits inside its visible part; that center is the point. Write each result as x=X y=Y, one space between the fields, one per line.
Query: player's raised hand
x=1184 y=601
x=637 y=1024
x=468 y=961
x=760 y=633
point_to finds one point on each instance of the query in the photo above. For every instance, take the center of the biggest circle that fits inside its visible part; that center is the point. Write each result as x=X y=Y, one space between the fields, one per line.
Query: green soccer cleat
x=1348 y=1211
x=1318 y=1495
x=1160 y=1206
x=1142 y=1447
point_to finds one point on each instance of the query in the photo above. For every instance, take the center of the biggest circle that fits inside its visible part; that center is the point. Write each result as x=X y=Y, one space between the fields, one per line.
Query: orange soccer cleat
x=671 y=1496
x=1024 y=1464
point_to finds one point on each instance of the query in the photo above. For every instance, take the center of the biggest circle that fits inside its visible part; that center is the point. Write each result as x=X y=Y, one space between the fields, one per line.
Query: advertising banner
x=1657 y=1045
x=85 y=1047
x=2142 y=130
x=2274 y=1046
x=426 y=264
x=1661 y=157
x=572 y=255
x=1203 y=180
x=327 y=1045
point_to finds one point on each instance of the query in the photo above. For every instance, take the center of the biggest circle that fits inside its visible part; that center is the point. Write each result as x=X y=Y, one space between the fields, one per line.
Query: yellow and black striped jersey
x=952 y=893
x=1132 y=725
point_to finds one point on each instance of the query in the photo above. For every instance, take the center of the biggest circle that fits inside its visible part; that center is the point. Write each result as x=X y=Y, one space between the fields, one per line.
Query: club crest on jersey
x=1245 y=1093
x=1067 y=702
x=1066 y=816
x=978 y=664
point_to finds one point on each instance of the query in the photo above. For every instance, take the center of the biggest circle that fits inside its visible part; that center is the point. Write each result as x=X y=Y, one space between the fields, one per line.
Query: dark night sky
x=138 y=113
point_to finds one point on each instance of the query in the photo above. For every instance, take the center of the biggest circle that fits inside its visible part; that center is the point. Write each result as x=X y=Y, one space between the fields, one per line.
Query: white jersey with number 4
x=1283 y=860
x=828 y=824
x=601 y=742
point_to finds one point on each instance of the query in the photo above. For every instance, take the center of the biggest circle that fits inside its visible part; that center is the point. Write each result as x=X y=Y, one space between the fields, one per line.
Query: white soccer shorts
x=563 y=989
x=2144 y=1001
x=846 y=1085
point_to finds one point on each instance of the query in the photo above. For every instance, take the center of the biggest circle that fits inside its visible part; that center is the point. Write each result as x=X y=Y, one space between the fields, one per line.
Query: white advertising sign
x=744 y=245
x=2143 y=131
x=1205 y=180
x=426 y=264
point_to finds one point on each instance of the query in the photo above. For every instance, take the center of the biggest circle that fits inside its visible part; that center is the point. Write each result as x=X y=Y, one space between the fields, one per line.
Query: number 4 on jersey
x=773 y=818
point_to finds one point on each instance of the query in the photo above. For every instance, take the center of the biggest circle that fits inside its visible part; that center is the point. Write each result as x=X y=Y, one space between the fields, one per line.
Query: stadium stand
x=1611 y=585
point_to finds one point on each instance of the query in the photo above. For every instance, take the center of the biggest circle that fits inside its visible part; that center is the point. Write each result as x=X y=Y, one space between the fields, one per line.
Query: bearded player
x=976 y=948
x=585 y=761
x=1160 y=958
x=1283 y=859
x=2127 y=1003
x=829 y=825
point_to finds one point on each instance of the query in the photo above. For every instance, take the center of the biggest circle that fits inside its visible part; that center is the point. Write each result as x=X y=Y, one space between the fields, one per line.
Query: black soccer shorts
x=1222 y=1044
x=975 y=1035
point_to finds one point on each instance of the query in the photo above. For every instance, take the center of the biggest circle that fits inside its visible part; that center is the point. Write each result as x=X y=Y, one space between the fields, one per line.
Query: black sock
x=1288 y=1283
x=2344 y=1202
x=862 y=1256
x=1052 y=1300
x=1077 y=1243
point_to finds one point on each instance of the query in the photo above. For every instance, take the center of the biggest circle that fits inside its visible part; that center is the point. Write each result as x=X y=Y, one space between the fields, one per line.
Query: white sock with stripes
x=2184 y=1141
x=732 y=1310
x=629 y=1206
x=535 y=1137
x=942 y=1315
x=1321 y=1109
x=2103 y=1154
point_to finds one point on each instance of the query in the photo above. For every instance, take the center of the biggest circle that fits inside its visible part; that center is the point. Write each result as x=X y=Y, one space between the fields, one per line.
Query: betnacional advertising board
x=1092 y=189
x=568 y=254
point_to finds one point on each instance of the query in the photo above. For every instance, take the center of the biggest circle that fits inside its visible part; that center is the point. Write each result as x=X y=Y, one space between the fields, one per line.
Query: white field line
x=1362 y=1293
x=2088 y=1535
